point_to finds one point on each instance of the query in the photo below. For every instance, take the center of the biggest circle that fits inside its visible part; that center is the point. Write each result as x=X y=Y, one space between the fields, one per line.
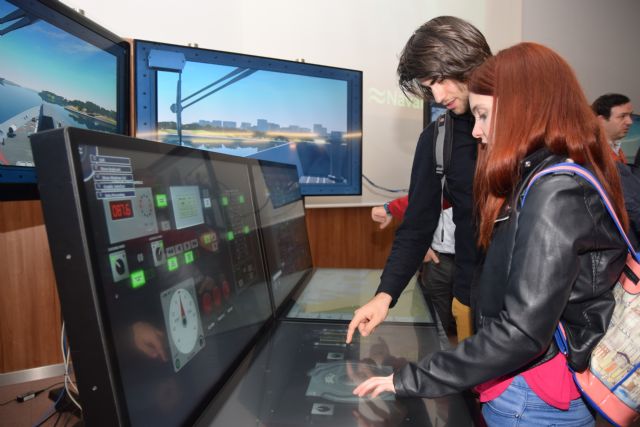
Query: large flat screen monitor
x=159 y=267
x=431 y=111
x=292 y=112
x=58 y=69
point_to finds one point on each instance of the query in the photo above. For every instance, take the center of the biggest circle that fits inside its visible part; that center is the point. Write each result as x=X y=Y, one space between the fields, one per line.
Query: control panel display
x=182 y=276
x=315 y=387
x=121 y=209
x=187 y=206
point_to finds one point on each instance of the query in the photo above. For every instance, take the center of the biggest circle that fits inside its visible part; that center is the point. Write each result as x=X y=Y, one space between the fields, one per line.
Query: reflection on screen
x=301 y=114
x=50 y=78
x=335 y=293
x=181 y=272
x=281 y=213
x=316 y=386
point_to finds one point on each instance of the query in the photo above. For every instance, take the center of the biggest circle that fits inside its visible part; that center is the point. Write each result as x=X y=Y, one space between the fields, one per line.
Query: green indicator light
x=241 y=198
x=224 y=201
x=161 y=200
x=188 y=257
x=172 y=263
x=230 y=235
x=206 y=239
x=138 y=279
x=246 y=229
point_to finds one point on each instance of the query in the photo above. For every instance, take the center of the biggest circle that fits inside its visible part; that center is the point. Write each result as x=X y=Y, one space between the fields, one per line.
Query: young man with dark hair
x=435 y=64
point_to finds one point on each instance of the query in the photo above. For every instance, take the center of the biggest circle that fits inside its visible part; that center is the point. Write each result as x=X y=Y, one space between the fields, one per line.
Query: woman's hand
x=374 y=386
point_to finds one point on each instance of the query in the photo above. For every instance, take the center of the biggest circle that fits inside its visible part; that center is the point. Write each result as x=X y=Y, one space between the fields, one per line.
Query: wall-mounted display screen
x=297 y=113
x=58 y=69
x=431 y=111
x=630 y=144
x=164 y=284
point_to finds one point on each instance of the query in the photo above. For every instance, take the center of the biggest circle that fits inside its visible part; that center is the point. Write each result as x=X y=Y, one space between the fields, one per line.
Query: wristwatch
x=386 y=208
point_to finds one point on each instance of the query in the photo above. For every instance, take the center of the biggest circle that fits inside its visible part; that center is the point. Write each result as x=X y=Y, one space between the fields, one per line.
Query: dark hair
x=603 y=105
x=445 y=47
x=532 y=111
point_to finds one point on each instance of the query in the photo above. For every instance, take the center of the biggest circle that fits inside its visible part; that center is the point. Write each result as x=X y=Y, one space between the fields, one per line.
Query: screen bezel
x=428 y=108
x=18 y=182
x=145 y=89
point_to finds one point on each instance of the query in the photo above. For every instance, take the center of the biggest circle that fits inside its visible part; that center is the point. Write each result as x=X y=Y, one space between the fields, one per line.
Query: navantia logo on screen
x=393 y=97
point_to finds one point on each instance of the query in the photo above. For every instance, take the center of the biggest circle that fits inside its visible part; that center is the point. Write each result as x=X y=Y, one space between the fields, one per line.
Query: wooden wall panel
x=30 y=318
x=348 y=238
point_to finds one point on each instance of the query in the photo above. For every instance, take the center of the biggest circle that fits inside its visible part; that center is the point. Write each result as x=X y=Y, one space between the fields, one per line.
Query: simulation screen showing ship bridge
x=55 y=72
x=302 y=114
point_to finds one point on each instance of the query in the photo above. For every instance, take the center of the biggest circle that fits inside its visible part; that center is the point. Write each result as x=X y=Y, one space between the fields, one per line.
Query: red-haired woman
x=553 y=258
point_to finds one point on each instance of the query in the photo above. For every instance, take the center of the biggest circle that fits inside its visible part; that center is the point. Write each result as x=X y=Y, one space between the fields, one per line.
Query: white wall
x=600 y=39
x=366 y=35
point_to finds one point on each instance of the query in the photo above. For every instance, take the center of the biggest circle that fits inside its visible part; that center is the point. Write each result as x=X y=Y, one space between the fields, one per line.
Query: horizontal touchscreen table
x=304 y=374
x=334 y=293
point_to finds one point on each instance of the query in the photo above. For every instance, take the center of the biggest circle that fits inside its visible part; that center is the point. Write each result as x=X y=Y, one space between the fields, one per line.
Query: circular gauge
x=146 y=205
x=183 y=321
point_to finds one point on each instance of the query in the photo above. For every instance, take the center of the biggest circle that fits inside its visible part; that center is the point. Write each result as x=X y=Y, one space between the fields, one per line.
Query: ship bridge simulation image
x=297 y=113
x=304 y=100
x=49 y=79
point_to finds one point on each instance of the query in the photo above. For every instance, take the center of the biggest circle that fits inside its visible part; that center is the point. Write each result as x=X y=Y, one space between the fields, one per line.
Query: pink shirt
x=552 y=382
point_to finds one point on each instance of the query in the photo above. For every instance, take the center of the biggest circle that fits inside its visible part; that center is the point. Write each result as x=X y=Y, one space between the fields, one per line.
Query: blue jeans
x=518 y=405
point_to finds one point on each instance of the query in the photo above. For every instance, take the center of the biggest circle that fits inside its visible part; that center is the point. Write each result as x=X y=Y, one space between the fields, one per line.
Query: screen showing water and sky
x=296 y=113
x=630 y=144
x=259 y=110
x=48 y=79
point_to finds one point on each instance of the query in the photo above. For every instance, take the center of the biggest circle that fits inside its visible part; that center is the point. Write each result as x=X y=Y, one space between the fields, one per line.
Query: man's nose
x=438 y=93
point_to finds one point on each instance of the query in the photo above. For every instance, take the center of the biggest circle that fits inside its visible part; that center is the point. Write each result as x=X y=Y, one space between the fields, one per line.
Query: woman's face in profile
x=481 y=108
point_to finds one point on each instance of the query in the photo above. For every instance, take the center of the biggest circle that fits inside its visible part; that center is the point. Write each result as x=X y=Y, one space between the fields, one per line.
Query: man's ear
x=602 y=118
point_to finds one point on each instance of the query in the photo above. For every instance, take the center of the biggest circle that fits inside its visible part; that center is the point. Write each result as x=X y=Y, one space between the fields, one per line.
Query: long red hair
x=538 y=103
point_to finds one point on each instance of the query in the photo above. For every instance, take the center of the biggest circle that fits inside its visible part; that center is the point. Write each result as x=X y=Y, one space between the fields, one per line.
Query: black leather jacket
x=556 y=257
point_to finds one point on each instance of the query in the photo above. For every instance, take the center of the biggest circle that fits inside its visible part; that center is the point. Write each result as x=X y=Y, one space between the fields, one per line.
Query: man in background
x=614 y=114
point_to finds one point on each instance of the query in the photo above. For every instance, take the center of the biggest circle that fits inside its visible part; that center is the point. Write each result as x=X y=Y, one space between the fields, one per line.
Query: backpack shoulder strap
x=588 y=176
x=443 y=141
x=560 y=336
x=442 y=145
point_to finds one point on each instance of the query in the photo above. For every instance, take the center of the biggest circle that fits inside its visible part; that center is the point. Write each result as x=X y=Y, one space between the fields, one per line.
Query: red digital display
x=121 y=209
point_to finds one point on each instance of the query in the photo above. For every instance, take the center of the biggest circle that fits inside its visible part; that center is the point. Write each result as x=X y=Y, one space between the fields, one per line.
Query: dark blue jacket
x=414 y=235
